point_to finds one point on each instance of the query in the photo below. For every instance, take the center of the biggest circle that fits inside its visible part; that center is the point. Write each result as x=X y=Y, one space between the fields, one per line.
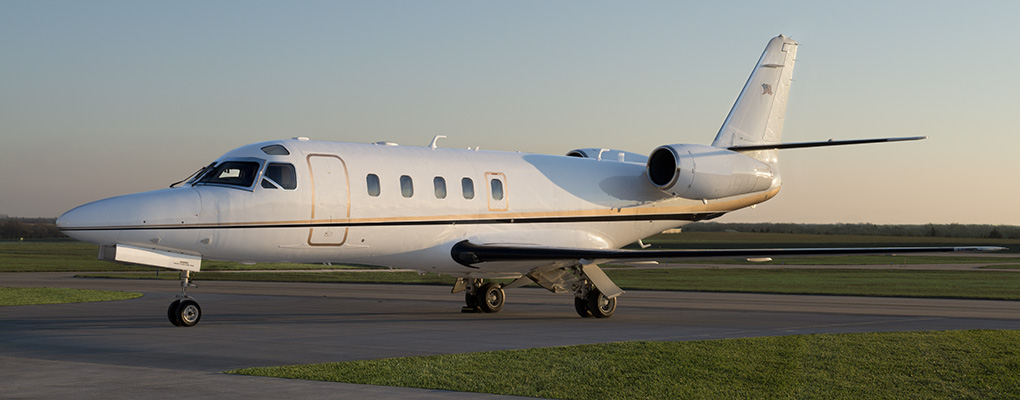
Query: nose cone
x=88 y=223
x=105 y=221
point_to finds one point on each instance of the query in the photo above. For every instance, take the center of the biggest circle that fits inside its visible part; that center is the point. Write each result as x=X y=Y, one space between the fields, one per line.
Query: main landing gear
x=590 y=302
x=185 y=310
x=489 y=297
x=481 y=297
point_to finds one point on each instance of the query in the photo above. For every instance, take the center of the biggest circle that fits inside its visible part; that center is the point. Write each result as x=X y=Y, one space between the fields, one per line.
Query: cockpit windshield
x=233 y=173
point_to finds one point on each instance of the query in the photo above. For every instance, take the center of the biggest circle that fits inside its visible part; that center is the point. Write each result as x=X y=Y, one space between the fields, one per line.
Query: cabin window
x=233 y=173
x=468 y=187
x=275 y=150
x=406 y=186
x=497 y=189
x=440 y=185
x=373 y=184
x=280 y=176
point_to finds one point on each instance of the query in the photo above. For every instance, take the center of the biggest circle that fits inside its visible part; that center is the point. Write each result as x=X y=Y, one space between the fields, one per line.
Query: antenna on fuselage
x=436 y=140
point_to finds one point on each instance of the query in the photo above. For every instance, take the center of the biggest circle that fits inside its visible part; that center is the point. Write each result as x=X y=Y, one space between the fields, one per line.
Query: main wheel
x=171 y=313
x=600 y=305
x=490 y=297
x=581 y=305
x=188 y=312
x=470 y=303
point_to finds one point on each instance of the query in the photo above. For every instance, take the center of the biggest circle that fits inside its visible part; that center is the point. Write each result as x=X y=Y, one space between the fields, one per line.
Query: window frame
x=437 y=184
x=278 y=185
x=467 y=183
x=496 y=187
x=408 y=191
x=256 y=180
x=369 y=185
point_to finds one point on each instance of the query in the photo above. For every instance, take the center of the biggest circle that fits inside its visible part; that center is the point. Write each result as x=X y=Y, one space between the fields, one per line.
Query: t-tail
x=704 y=172
x=750 y=137
x=754 y=125
x=757 y=116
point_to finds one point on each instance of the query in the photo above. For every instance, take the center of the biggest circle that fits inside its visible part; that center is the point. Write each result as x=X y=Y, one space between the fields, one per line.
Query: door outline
x=328 y=230
x=493 y=204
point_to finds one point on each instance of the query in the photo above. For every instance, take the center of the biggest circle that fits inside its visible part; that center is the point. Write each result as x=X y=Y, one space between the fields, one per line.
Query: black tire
x=171 y=313
x=470 y=300
x=600 y=305
x=581 y=306
x=189 y=313
x=490 y=297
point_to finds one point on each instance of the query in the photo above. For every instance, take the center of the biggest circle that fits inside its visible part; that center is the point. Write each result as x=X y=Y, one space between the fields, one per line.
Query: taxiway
x=127 y=349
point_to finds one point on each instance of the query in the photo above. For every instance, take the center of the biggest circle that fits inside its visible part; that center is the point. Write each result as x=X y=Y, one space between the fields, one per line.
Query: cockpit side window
x=233 y=173
x=280 y=175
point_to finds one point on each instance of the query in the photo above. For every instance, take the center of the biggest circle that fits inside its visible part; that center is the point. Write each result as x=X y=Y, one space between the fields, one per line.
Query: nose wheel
x=184 y=311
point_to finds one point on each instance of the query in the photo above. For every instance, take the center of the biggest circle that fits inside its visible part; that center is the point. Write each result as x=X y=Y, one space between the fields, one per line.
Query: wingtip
x=978 y=249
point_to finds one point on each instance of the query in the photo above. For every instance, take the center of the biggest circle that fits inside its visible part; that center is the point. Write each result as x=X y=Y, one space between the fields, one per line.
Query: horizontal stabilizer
x=468 y=254
x=780 y=146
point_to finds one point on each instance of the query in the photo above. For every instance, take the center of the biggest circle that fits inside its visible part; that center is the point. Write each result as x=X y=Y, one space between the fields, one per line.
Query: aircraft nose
x=88 y=222
x=110 y=221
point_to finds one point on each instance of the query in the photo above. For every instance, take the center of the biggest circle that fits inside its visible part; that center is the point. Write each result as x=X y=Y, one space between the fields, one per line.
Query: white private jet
x=473 y=214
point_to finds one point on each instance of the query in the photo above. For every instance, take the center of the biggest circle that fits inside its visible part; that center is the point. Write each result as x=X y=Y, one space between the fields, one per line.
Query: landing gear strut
x=185 y=310
x=483 y=297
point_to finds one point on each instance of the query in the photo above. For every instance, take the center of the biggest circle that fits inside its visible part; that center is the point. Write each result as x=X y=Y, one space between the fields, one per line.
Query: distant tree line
x=29 y=228
x=929 y=230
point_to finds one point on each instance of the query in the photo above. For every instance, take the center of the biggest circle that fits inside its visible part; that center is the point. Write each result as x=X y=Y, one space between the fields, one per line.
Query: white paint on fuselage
x=554 y=201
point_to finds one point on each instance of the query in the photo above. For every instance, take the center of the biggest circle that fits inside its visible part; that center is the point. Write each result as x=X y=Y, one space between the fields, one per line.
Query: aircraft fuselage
x=388 y=205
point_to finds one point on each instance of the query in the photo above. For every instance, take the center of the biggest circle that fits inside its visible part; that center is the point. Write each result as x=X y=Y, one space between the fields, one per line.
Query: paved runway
x=127 y=349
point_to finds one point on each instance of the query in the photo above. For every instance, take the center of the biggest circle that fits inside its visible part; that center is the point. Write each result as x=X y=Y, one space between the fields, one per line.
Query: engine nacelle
x=704 y=172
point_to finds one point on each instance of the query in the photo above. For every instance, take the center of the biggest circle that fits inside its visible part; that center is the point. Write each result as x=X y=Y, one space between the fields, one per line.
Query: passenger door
x=330 y=200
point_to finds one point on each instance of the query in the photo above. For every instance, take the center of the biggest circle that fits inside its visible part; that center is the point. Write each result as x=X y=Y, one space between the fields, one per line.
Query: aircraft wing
x=469 y=254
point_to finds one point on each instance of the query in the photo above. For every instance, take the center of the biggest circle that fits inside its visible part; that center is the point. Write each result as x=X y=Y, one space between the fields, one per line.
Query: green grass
x=56 y=256
x=29 y=296
x=899 y=365
x=1008 y=266
x=75 y=256
x=858 y=260
x=70 y=255
x=78 y=256
x=725 y=240
x=311 y=277
x=856 y=282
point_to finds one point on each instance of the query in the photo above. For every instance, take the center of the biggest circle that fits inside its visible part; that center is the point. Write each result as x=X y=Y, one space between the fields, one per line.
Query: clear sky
x=101 y=98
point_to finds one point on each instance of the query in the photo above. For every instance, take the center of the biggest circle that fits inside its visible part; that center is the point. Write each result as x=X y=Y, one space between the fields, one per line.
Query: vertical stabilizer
x=757 y=116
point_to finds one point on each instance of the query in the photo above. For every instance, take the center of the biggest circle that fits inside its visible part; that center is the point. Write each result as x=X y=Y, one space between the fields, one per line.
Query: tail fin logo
x=766 y=89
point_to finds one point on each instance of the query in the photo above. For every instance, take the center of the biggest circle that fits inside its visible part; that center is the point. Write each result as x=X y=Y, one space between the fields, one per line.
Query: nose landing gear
x=184 y=311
